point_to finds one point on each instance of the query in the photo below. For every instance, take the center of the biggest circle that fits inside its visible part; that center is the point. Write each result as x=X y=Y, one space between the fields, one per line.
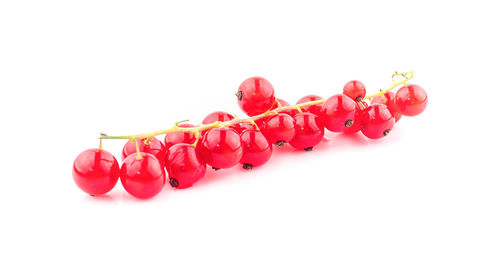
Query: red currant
x=221 y=148
x=280 y=129
x=376 y=121
x=355 y=90
x=241 y=127
x=144 y=177
x=390 y=102
x=256 y=148
x=96 y=171
x=356 y=126
x=411 y=100
x=255 y=96
x=308 y=131
x=153 y=146
x=184 y=165
x=179 y=137
x=338 y=112
x=315 y=109
x=283 y=103
x=217 y=116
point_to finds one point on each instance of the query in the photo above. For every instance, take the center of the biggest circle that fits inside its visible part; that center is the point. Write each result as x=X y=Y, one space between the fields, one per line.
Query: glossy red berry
x=96 y=171
x=256 y=149
x=280 y=129
x=337 y=113
x=144 y=177
x=179 y=137
x=217 y=116
x=411 y=100
x=153 y=146
x=376 y=121
x=355 y=90
x=184 y=165
x=389 y=100
x=255 y=96
x=221 y=148
x=283 y=103
x=356 y=124
x=308 y=131
x=315 y=109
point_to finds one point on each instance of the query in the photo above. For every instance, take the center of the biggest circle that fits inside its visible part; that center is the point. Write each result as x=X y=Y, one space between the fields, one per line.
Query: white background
x=426 y=198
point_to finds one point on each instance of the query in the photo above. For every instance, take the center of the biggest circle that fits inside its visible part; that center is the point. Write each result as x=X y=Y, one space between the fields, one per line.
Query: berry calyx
x=255 y=96
x=355 y=89
x=221 y=148
x=179 y=137
x=96 y=171
x=142 y=177
x=184 y=165
x=280 y=129
x=152 y=146
x=356 y=126
x=315 y=109
x=376 y=121
x=256 y=149
x=411 y=100
x=389 y=100
x=337 y=113
x=308 y=131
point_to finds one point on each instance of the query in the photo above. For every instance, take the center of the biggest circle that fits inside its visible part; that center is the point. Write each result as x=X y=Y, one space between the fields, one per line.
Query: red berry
x=283 y=103
x=280 y=129
x=144 y=177
x=355 y=90
x=217 y=116
x=308 y=131
x=241 y=127
x=376 y=121
x=356 y=126
x=154 y=147
x=338 y=112
x=221 y=148
x=315 y=109
x=96 y=171
x=390 y=102
x=255 y=96
x=256 y=148
x=411 y=100
x=179 y=137
x=184 y=165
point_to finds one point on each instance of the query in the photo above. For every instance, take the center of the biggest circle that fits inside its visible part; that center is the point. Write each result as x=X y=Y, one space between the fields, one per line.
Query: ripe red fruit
x=155 y=147
x=355 y=90
x=280 y=129
x=356 y=124
x=184 y=165
x=337 y=113
x=315 y=109
x=144 y=177
x=255 y=96
x=376 y=121
x=390 y=102
x=179 y=137
x=217 y=116
x=283 y=103
x=96 y=171
x=411 y=100
x=221 y=148
x=308 y=131
x=256 y=149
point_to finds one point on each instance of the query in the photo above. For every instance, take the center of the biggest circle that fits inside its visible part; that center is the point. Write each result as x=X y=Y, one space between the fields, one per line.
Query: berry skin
x=308 y=131
x=390 y=102
x=255 y=96
x=337 y=113
x=222 y=117
x=241 y=127
x=221 y=148
x=179 y=137
x=355 y=90
x=184 y=165
x=411 y=100
x=376 y=121
x=280 y=129
x=142 y=178
x=155 y=147
x=256 y=149
x=283 y=103
x=356 y=126
x=315 y=109
x=96 y=171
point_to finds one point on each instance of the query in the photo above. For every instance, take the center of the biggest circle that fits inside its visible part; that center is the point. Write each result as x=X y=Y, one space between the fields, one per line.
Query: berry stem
x=406 y=75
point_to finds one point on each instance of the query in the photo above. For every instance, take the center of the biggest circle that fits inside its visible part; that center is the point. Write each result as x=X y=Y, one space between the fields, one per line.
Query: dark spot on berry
x=215 y=168
x=92 y=195
x=247 y=166
x=348 y=123
x=387 y=132
x=362 y=127
x=308 y=148
x=280 y=143
x=174 y=183
x=239 y=94
x=359 y=98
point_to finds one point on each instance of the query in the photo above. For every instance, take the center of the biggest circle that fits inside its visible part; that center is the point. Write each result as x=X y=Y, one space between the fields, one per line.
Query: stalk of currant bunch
x=223 y=141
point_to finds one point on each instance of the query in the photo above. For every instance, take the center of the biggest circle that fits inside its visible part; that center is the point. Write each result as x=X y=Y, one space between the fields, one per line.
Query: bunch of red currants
x=222 y=141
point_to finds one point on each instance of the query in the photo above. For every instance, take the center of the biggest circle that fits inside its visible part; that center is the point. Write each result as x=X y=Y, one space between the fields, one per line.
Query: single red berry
x=221 y=148
x=308 y=131
x=96 y=171
x=337 y=113
x=390 y=101
x=255 y=96
x=356 y=124
x=184 y=165
x=256 y=149
x=179 y=137
x=376 y=121
x=355 y=90
x=411 y=100
x=315 y=109
x=144 y=177
x=280 y=129
x=153 y=146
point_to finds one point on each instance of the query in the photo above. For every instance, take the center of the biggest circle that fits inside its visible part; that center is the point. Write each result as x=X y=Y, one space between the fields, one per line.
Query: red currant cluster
x=223 y=141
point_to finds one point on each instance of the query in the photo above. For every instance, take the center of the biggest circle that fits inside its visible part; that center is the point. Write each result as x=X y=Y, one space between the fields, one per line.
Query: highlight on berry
x=223 y=141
